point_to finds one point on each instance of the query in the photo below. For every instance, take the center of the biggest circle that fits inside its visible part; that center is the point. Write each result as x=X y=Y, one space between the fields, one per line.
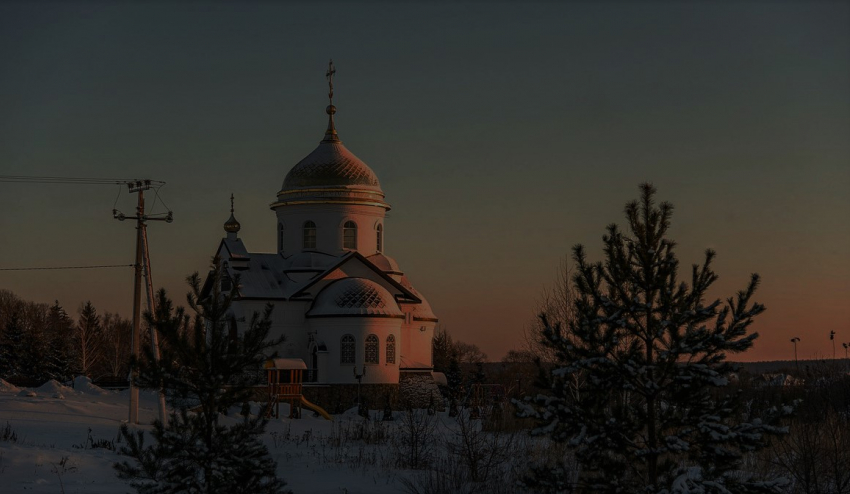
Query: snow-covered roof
x=261 y=277
x=235 y=249
x=421 y=311
x=285 y=363
x=385 y=263
x=305 y=275
x=310 y=261
x=354 y=297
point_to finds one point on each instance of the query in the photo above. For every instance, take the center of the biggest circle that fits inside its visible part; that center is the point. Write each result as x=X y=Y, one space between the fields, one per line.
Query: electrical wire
x=117 y=197
x=69 y=267
x=72 y=180
x=158 y=197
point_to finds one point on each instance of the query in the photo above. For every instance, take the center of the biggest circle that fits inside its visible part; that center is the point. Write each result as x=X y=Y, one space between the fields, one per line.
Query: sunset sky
x=503 y=134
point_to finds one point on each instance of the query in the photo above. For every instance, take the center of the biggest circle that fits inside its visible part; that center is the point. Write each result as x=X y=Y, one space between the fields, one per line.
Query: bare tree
x=416 y=439
x=117 y=333
x=556 y=302
x=469 y=353
x=483 y=453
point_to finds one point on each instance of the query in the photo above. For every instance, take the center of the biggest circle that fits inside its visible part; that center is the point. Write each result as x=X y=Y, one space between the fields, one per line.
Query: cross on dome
x=231 y=225
x=330 y=134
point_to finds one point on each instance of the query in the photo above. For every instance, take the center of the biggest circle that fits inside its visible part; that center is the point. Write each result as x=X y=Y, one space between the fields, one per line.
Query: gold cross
x=330 y=76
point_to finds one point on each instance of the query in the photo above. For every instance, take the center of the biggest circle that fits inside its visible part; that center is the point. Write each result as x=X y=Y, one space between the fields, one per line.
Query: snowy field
x=56 y=439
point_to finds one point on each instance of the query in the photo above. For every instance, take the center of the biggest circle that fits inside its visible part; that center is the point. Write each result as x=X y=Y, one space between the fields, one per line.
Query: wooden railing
x=285 y=390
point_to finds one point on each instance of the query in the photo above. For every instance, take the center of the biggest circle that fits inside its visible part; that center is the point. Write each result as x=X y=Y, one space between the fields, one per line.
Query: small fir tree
x=654 y=414
x=205 y=369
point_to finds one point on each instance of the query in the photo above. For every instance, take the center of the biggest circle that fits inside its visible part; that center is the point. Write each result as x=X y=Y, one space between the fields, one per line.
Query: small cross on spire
x=330 y=76
x=330 y=134
x=231 y=203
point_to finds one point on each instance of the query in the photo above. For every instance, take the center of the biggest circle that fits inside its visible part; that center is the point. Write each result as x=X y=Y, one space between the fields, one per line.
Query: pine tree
x=205 y=369
x=58 y=359
x=11 y=347
x=33 y=348
x=654 y=415
x=442 y=350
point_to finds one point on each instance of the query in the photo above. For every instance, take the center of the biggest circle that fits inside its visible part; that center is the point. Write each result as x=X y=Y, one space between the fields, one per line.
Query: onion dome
x=354 y=297
x=331 y=174
x=231 y=225
x=331 y=164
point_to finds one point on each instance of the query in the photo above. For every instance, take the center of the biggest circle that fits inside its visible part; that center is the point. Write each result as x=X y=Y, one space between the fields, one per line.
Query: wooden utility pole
x=142 y=259
x=163 y=416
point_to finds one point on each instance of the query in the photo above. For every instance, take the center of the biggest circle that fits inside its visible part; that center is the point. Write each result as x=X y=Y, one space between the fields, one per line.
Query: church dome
x=331 y=174
x=231 y=225
x=331 y=165
x=355 y=297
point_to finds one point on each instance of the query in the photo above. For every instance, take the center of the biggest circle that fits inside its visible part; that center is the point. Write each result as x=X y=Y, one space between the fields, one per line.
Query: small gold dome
x=231 y=225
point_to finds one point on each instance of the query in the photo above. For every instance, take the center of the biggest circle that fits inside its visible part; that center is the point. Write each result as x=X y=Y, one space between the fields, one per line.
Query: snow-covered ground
x=47 y=436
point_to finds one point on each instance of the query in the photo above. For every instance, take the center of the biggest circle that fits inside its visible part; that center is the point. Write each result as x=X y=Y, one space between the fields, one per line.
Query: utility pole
x=163 y=416
x=142 y=259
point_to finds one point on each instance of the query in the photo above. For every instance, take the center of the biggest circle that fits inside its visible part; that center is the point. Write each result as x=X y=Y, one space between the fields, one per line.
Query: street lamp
x=832 y=339
x=794 y=340
x=359 y=378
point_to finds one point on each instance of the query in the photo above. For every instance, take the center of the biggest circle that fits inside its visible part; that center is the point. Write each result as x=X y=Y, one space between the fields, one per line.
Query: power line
x=40 y=268
x=72 y=180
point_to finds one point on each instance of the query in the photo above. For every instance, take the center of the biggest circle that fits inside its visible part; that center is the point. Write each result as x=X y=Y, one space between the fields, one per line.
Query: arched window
x=371 y=349
x=380 y=238
x=391 y=349
x=309 y=235
x=280 y=237
x=349 y=235
x=347 y=350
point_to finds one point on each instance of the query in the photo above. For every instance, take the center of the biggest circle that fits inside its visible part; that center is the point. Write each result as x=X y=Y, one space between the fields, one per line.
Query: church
x=346 y=308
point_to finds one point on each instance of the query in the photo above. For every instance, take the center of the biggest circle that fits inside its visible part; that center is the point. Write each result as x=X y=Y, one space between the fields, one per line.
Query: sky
x=502 y=134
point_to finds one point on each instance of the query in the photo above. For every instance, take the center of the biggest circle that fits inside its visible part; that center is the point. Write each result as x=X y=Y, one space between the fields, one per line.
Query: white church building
x=345 y=307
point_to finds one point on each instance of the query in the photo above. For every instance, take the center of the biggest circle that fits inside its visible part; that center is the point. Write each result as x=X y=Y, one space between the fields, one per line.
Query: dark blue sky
x=502 y=134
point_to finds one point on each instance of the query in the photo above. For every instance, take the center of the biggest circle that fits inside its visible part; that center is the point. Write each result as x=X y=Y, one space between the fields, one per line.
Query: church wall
x=329 y=220
x=418 y=337
x=330 y=331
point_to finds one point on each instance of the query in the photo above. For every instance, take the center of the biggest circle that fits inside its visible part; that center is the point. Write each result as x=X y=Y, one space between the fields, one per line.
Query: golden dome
x=231 y=225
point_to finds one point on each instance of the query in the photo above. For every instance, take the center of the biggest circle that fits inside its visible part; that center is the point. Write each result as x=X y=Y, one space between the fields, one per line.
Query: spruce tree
x=204 y=370
x=58 y=359
x=11 y=345
x=655 y=414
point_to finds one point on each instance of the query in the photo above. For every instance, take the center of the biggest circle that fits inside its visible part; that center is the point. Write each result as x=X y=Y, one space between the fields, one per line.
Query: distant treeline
x=41 y=341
